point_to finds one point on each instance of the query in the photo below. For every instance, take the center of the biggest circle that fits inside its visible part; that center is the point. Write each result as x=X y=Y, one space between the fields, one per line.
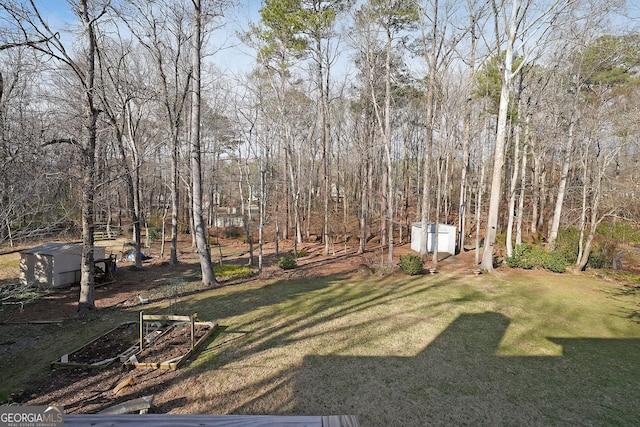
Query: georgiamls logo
x=31 y=416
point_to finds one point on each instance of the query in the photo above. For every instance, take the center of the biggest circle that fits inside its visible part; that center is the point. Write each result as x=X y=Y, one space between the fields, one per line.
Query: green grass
x=231 y=271
x=528 y=349
x=534 y=349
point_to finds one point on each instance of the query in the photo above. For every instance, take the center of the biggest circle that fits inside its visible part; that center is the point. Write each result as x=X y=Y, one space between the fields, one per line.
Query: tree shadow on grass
x=323 y=302
x=459 y=379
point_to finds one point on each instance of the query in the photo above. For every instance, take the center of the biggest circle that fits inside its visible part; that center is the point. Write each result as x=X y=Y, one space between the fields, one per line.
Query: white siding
x=446 y=238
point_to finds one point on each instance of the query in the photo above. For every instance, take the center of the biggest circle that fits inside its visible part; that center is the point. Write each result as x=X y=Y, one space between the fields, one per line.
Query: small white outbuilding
x=53 y=265
x=446 y=237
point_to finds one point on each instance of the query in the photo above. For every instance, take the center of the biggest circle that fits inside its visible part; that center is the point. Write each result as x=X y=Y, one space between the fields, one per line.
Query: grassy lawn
x=503 y=349
x=518 y=350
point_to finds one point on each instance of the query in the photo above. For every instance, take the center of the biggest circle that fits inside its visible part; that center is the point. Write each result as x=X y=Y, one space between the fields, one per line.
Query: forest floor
x=357 y=287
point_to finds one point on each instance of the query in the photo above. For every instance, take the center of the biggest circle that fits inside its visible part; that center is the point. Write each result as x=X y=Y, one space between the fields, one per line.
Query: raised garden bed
x=171 y=348
x=115 y=345
x=164 y=342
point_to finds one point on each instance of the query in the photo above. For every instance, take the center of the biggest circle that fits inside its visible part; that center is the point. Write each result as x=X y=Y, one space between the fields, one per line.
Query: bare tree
x=517 y=20
x=162 y=30
x=33 y=27
x=208 y=276
x=439 y=42
x=389 y=20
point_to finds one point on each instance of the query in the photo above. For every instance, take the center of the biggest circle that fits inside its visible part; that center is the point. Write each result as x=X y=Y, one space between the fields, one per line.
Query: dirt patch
x=109 y=345
x=90 y=391
x=175 y=342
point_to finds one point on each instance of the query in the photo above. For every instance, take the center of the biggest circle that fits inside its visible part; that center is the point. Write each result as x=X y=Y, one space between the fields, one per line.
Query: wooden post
x=141 y=331
x=193 y=330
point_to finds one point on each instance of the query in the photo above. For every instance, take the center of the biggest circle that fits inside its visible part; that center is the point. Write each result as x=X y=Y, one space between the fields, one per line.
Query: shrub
x=230 y=271
x=602 y=254
x=538 y=256
x=411 y=264
x=521 y=257
x=567 y=244
x=620 y=231
x=154 y=232
x=555 y=261
x=528 y=257
x=286 y=263
x=301 y=253
x=233 y=232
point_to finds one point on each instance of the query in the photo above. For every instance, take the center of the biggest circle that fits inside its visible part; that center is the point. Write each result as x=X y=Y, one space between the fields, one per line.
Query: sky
x=230 y=55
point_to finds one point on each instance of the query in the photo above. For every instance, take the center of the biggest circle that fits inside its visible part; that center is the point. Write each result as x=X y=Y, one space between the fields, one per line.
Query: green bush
x=555 y=261
x=620 y=231
x=411 y=264
x=538 y=256
x=230 y=271
x=287 y=263
x=521 y=257
x=567 y=244
x=154 y=232
x=528 y=257
x=602 y=254
x=301 y=253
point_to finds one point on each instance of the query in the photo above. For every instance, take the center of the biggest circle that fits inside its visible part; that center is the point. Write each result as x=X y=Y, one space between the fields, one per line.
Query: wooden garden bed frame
x=128 y=356
x=63 y=362
x=176 y=362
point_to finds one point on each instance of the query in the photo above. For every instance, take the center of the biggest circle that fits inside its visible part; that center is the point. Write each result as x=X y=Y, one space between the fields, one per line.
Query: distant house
x=53 y=265
x=446 y=237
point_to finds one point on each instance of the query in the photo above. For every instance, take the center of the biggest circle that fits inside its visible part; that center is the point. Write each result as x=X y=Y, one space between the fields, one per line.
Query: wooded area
x=517 y=121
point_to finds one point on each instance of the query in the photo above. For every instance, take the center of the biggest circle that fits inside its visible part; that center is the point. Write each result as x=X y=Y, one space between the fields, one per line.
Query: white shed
x=53 y=265
x=446 y=237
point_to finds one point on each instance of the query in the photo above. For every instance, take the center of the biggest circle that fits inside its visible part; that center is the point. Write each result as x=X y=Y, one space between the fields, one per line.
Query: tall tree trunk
x=87 y=268
x=523 y=182
x=466 y=143
x=245 y=212
x=585 y=249
x=535 y=184
x=585 y=207
x=323 y=89
x=208 y=276
x=501 y=137
x=426 y=172
x=498 y=163
x=263 y=206
x=512 y=191
x=562 y=185
x=175 y=202
x=479 y=195
x=436 y=223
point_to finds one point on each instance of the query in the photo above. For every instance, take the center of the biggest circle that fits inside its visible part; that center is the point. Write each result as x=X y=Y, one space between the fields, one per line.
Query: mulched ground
x=108 y=345
x=92 y=390
x=173 y=343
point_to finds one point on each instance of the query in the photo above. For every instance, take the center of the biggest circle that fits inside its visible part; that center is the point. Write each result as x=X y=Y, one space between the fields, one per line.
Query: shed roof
x=54 y=248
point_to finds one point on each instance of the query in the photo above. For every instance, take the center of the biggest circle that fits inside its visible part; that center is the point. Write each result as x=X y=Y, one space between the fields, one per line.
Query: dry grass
x=521 y=348
x=450 y=350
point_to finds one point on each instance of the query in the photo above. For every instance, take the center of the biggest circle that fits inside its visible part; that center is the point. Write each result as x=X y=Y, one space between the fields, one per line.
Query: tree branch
x=28 y=43
x=69 y=141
